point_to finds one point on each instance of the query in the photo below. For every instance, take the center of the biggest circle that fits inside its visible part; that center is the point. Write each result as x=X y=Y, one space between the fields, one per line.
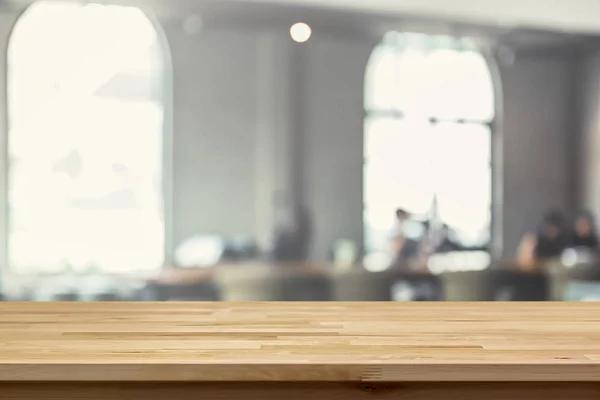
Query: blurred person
x=433 y=242
x=293 y=239
x=398 y=236
x=404 y=249
x=402 y=216
x=584 y=232
x=426 y=247
x=446 y=244
x=547 y=243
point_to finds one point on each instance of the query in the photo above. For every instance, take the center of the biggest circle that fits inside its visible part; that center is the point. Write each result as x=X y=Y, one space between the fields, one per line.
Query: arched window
x=85 y=145
x=429 y=104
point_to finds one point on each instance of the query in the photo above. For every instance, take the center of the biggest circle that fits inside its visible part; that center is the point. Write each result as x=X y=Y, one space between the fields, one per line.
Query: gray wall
x=215 y=118
x=260 y=120
x=589 y=115
x=327 y=114
x=7 y=20
x=334 y=138
x=536 y=128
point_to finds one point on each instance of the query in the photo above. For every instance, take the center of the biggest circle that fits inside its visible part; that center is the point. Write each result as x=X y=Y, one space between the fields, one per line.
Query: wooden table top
x=300 y=341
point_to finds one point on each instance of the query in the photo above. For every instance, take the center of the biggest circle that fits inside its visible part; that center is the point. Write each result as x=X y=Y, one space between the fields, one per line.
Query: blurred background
x=303 y=150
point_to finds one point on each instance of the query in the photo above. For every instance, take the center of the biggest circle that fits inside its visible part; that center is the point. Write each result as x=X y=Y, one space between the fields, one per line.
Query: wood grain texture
x=282 y=342
x=299 y=391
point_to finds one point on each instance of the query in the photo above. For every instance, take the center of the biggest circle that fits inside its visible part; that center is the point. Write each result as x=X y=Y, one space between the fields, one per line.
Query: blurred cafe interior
x=299 y=150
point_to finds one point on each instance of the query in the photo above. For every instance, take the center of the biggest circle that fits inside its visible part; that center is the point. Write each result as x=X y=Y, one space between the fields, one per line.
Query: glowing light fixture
x=300 y=32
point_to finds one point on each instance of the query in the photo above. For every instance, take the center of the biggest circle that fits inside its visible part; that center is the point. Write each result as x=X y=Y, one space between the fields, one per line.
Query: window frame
x=494 y=243
x=167 y=173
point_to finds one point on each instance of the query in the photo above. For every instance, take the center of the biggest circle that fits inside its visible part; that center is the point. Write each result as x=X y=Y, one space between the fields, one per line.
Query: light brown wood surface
x=282 y=342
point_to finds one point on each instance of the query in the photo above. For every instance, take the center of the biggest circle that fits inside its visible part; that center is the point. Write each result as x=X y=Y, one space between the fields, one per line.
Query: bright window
x=429 y=103
x=85 y=87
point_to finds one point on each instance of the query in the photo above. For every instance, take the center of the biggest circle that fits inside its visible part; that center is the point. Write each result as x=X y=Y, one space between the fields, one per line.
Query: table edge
x=132 y=372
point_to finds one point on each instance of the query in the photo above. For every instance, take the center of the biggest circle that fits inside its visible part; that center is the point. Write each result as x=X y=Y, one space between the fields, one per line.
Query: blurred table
x=294 y=351
x=275 y=281
x=244 y=280
x=393 y=284
x=297 y=281
x=174 y=283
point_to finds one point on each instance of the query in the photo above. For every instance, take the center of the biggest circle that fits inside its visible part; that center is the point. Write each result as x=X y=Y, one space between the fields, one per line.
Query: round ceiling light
x=300 y=32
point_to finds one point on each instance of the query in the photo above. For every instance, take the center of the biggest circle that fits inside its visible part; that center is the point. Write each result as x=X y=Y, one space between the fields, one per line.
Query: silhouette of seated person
x=584 y=235
x=292 y=241
x=583 y=246
x=548 y=243
x=446 y=244
x=405 y=250
x=435 y=241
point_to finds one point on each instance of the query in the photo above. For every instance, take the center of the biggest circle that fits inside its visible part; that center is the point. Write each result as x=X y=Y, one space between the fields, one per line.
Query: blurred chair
x=344 y=254
x=65 y=296
x=107 y=296
x=197 y=291
x=585 y=273
x=258 y=281
x=511 y=284
x=575 y=272
x=501 y=284
x=558 y=274
x=580 y=282
x=359 y=284
x=193 y=284
x=468 y=285
x=465 y=275
x=455 y=261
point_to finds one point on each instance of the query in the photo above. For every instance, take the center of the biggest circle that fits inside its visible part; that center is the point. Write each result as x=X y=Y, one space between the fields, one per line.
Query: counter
x=298 y=351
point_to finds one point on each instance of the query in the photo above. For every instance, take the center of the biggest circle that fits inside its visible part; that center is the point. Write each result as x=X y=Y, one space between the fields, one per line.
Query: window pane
x=397 y=172
x=407 y=162
x=478 y=88
x=429 y=77
x=460 y=86
x=414 y=77
x=85 y=144
x=380 y=84
x=463 y=179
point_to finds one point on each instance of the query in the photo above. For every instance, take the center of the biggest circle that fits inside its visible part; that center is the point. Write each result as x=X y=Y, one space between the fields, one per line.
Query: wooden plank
x=374 y=342
x=298 y=391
